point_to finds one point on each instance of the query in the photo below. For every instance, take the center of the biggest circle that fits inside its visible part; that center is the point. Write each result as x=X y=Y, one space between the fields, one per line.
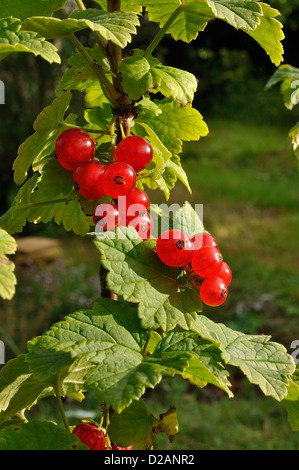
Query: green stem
x=163 y=30
x=111 y=94
x=82 y=7
x=60 y=405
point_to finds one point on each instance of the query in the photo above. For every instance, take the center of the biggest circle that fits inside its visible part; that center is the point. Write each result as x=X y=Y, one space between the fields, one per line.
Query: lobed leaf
x=288 y=78
x=39 y=435
x=141 y=75
x=14 y=40
x=264 y=363
x=136 y=273
x=175 y=124
x=111 y=337
x=116 y=27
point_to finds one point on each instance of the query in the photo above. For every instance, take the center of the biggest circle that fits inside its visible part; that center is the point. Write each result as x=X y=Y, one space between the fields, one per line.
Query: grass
x=247 y=180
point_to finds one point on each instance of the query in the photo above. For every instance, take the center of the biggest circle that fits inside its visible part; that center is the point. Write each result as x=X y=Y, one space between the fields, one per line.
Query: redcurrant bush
x=136 y=151
x=73 y=147
x=207 y=261
x=90 y=435
x=213 y=291
x=174 y=248
x=119 y=179
x=88 y=179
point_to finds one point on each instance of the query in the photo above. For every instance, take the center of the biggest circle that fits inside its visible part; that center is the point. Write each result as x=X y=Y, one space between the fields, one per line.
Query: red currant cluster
x=75 y=150
x=201 y=259
x=94 y=438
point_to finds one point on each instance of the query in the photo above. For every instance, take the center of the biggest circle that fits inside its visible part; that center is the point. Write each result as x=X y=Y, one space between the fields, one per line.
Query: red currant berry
x=213 y=291
x=203 y=239
x=143 y=225
x=105 y=217
x=90 y=435
x=74 y=147
x=225 y=274
x=174 y=248
x=132 y=205
x=88 y=179
x=119 y=180
x=115 y=447
x=207 y=261
x=136 y=151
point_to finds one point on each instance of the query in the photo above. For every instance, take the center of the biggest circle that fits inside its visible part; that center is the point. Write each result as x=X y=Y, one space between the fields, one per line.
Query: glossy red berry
x=90 y=435
x=203 y=239
x=143 y=225
x=174 y=248
x=206 y=261
x=119 y=180
x=116 y=447
x=105 y=217
x=73 y=147
x=213 y=291
x=225 y=274
x=88 y=179
x=137 y=201
x=136 y=151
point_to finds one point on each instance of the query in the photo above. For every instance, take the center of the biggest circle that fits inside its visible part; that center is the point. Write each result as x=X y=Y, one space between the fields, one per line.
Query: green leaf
x=48 y=197
x=48 y=125
x=38 y=435
x=264 y=363
x=116 y=27
x=126 y=5
x=176 y=124
x=288 y=77
x=141 y=75
x=14 y=40
x=269 y=34
x=26 y=379
x=195 y=15
x=291 y=402
x=8 y=280
x=80 y=77
x=22 y=10
x=161 y=155
x=111 y=336
x=137 y=274
x=192 y=19
x=141 y=426
x=189 y=220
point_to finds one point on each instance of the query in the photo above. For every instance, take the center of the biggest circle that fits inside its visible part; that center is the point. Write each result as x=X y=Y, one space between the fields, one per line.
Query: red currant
x=213 y=291
x=105 y=217
x=225 y=274
x=88 y=178
x=203 y=239
x=143 y=224
x=119 y=180
x=74 y=147
x=136 y=151
x=90 y=435
x=207 y=261
x=136 y=202
x=175 y=248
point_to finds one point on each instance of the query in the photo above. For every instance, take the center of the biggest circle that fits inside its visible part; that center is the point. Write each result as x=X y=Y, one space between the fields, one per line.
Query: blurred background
x=247 y=179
